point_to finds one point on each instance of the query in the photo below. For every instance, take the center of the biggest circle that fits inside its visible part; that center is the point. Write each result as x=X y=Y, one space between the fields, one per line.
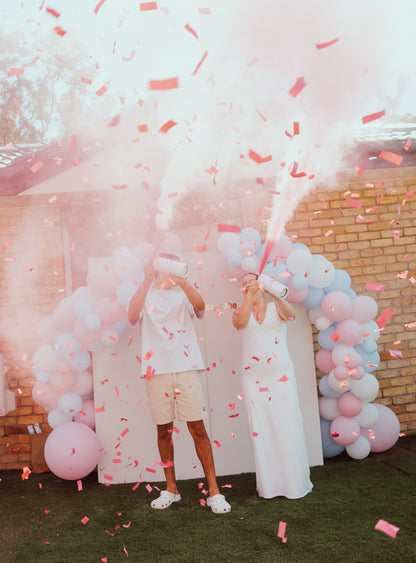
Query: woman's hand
x=149 y=271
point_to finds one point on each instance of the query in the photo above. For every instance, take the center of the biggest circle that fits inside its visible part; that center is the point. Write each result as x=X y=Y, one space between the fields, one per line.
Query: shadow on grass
x=333 y=523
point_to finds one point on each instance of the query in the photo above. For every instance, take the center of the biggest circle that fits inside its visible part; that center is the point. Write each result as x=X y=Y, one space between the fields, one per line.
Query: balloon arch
x=95 y=316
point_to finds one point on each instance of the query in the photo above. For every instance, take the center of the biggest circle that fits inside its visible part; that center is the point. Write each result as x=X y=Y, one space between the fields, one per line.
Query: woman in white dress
x=270 y=394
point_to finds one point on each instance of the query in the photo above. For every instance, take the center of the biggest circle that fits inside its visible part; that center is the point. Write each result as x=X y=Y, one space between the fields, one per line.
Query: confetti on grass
x=387 y=528
x=282 y=531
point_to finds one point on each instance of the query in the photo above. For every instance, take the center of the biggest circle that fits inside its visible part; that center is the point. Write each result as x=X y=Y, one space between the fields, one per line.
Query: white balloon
x=321 y=272
x=249 y=264
x=337 y=385
x=340 y=352
x=372 y=329
x=322 y=323
x=328 y=408
x=299 y=260
x=368 y=415
x=359 y=449
x=365 y=388
x=84 y=384
x=57 y=417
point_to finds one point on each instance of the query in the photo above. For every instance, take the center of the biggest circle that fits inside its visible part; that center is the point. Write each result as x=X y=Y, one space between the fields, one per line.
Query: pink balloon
x=385 y=433
x=102 y=281
x=363 y=309
x=341 y=372
x=62 y=382
x=63 y=318
x=336 y=305
x=295 y=295
x=44 y=395
x=87 y=414
x=83 y=334
x=357 y=373
x=349 y=332
x=349 y=404
x=344 y=430
x=71 y=450
x=108 y=310
x=323 y=360
x=354 y=360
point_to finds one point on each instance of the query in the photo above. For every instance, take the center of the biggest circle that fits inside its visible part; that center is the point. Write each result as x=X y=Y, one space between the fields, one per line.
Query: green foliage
x=42 y=95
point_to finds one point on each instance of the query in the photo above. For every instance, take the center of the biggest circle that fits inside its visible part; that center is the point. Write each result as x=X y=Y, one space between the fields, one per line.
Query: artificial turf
x=333 y=523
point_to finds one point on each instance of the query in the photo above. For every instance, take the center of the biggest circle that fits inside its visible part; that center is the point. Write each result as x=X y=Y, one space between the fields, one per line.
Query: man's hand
x=149 y=271
x=177 y=280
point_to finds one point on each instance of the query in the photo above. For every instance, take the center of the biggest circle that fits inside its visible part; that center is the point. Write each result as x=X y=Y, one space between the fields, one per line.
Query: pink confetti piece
x=149 y=488
x=217 y=443
x=396 y=353
x=136 y=486
x=391 y=157
x=222 y=228
x=191 y=30
x=168 y=125
x=328 y=233
x=202 y=502
x=387 y=528
x=79 y=485
x=59 y=31
x=282 y=531
x=257 y=158
x=198 y=66
x=99 y=409
x=374 y=286
x=373 y=116
x=108 y=477
x=46 y=511
x=146 y=6
x=166 y=84
x=7 y=244
x=101 y=91
x=85 y=520
x=26 y=472
x=327 y=44
x=98 y=6
x=205 y=11
x=407 y=145
x=35 y=167
x=353 y=203
x=385 y=316
x=263 y=389
x=124 y=432
x=283 y=378
x=298 y=87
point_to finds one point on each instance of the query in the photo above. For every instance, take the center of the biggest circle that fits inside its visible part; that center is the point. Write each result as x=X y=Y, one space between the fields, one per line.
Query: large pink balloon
x=345 y=430
x=336 y=305
x=295 y=295
x=84 y=335
x=349 y=332
x=363 y=309
x=71 y=450
x=87 y=414
x=323 y=360
x=63 y=318
x=349 y=404
x=385 y=433
x=108 y=310
x=281 y=248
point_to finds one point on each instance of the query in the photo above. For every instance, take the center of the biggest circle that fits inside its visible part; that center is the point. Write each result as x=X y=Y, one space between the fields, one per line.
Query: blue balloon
x=342 y=282
x=260 y=250
x=314 y=298
x=299 y=281
x=299 y=245
x=82 y=309
x=351 y=293
x=234 y=258
x=325 y=340
x=251 y=235
x=370 y=362
x=68 y=344
x=330 y=448
x=326 y=390
x=276 y=271
x=369 y=346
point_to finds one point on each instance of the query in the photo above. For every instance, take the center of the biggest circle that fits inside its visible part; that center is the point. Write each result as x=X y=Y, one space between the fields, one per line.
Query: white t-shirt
x=169 y=342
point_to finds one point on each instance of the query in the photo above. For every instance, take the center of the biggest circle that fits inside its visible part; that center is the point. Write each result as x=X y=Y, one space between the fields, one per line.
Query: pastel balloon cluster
x=93 y=317
x=347 y=335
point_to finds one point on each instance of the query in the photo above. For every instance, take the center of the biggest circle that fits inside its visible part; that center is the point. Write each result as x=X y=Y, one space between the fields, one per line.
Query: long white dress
x=272 y=405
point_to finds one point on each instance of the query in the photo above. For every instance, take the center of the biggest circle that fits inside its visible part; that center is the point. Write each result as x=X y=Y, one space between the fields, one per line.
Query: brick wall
x=31 y=285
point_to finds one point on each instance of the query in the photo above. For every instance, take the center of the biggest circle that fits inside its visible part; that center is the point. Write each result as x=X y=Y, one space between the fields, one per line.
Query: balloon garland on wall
x=347 y=335
x=94 y=316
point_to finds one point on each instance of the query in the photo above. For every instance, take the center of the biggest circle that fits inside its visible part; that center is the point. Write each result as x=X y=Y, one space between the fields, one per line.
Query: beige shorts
x=183 y=389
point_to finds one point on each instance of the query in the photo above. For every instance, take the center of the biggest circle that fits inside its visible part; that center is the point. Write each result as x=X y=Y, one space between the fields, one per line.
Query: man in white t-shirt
x=171 y=363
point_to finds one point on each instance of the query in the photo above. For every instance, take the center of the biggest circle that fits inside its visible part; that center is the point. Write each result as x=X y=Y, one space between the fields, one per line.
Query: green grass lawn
x=333 y=523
